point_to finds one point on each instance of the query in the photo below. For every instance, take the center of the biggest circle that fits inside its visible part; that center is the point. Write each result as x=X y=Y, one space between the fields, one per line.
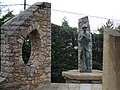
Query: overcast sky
x=101 y=8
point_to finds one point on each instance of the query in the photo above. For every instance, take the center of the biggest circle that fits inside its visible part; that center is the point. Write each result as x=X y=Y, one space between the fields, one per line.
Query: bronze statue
x=84 y=38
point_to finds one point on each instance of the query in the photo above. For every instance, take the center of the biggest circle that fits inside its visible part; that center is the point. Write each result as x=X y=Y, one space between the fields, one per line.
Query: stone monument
x=84 y=74
x=84 y=46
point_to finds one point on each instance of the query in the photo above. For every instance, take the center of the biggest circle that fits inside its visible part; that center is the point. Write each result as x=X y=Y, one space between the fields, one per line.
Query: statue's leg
x=83 y=62
x=88 y=56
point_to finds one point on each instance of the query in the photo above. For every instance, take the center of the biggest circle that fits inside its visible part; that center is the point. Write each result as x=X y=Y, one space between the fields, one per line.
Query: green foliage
x=101 y=30
x=6 y=17
x=65 y=24
x=26 y=50
x=64 y=56
x=109 y=24
x=97 y=51
x=118 y=28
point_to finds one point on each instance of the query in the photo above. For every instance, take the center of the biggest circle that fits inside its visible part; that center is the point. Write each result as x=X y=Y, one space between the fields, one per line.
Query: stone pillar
x=111 y=60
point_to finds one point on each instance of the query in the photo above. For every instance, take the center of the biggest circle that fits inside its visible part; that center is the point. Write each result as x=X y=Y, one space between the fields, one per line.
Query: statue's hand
x=83 y=35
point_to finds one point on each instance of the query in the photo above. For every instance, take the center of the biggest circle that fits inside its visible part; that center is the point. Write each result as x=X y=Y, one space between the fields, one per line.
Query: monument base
x=75 y=76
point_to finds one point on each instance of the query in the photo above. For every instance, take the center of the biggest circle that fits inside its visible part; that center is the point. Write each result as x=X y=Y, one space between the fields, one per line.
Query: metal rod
x=24 y=4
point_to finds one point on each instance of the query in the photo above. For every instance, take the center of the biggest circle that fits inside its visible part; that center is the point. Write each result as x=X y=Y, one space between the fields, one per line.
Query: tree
x=65 y=24
x=108 y=24
x=97 y=50
x=6 y=17
x=63 y=52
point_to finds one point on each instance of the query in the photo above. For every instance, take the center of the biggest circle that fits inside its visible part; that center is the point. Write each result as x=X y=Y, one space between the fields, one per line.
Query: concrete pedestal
x=74 y=76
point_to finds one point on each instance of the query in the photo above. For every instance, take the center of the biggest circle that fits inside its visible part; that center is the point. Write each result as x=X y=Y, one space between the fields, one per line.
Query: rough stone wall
x=15 y=75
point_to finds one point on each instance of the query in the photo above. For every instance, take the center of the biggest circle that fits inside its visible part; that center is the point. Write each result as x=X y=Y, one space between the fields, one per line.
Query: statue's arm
x=88 y=37
x=79 y=37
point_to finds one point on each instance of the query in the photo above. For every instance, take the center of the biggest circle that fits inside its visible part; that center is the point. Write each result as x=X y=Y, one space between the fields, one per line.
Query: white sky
x=101 y=8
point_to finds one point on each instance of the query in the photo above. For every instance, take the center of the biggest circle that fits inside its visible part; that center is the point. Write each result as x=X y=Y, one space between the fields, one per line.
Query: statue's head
x=84 y=27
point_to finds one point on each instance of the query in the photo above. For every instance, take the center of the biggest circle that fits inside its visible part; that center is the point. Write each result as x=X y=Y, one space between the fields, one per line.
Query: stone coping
x=75 y=74
x=112 y=32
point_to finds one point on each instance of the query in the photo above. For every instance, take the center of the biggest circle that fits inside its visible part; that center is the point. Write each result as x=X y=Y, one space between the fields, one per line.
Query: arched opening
x=26 y=49
x=31 y=46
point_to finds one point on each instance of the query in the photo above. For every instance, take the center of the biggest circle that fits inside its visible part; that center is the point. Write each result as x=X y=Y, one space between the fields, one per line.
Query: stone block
x=63 y=87
x=85 y=87
x=96 y=87
x=74 y=86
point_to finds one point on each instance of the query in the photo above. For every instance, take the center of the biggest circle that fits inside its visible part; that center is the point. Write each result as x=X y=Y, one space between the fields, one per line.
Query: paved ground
x=64 y=86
